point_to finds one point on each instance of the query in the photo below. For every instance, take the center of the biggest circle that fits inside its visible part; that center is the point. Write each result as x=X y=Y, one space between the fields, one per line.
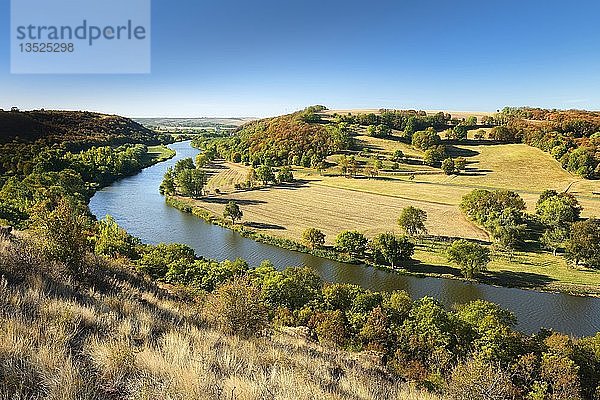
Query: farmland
x=332 y=203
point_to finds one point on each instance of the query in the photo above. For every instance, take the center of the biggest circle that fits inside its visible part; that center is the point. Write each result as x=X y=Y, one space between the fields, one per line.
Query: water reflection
x=137 y=206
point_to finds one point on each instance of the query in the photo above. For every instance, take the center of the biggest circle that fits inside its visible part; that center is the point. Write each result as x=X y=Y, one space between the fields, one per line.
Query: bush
x=61 y=232
x=477 y=380
x=330 y=327
x=235 y=308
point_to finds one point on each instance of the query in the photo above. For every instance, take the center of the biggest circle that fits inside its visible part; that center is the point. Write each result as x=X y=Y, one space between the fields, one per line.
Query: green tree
x=292 y=288
x=554 y=238
x=390 y=249
x=183 y=164
x=434 y=156
x=460 y=163
x=190 y=182
x=584 y=243
x=412 y=221
x=285 y=174
x=448 y=166
x=313 y=237
x=265 y=174
x=352 y=242
x=557 y=209
x=398 y=155
x=167 y=186
x=232 y=210
x=459 y=132
x=113 y=241
x=471 y=121
x=425 y=140
x=157 y=260
x=472 y=258
x=251 y=177
x=202 y=160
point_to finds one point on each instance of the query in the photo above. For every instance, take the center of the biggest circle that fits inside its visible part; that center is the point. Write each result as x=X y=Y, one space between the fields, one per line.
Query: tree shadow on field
x=454 y=151
x=527 y=280
x=224 y=200
x=425 y=268
x=475 y=172
x=263 y=225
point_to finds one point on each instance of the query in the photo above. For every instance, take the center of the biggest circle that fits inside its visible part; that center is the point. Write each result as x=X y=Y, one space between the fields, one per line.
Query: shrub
x=236 y=309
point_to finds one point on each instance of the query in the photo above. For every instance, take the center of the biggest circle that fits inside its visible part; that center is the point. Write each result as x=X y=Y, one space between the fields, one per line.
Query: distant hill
x=205 y=122
x=76 y=127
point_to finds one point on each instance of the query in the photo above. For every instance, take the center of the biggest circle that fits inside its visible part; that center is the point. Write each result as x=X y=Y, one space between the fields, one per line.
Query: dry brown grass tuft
x=121 y=337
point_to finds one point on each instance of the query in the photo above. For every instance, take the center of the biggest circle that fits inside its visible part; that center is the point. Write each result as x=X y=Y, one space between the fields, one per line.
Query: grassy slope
x=126 y=338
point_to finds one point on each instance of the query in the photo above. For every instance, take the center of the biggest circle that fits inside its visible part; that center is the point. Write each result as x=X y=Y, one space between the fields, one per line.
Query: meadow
x=372 y=205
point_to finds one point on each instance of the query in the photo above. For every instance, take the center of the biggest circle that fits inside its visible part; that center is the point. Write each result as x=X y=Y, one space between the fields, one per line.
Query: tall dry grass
x=114 y=335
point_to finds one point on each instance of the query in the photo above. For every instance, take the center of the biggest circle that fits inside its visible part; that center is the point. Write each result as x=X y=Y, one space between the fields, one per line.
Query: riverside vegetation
x=87 y=311
x=315 y=164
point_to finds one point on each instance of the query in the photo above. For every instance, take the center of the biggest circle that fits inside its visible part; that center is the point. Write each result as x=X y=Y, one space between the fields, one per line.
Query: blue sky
x=259 y=58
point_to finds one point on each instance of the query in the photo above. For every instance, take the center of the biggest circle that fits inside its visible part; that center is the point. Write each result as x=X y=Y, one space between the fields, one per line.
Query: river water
x=137 y=206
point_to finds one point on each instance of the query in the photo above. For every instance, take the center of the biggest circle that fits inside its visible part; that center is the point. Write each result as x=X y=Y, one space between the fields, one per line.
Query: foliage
x=113 y=241
x=285 y=174
x=352 y=242
x=448 y=166
x=425 y=140
x=435 y=155
x=472 y=258
x=500 y=211
x=236 y=309
x=232 y=210
x=157 y=260
x=584 y=244
x=265 y=174
x=313 y=237
x=558 y=209
x=412 y=221
x=292 y=288
x=283 y=140
x=61 y=232
x=380 y=131
x=390 y=249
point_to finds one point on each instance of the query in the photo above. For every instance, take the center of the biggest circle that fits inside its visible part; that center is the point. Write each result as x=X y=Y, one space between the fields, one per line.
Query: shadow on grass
x=454 y=151
x=224 y=200
x=527 y=280
x=263 y=225
x=524 y=280
x=424 y=268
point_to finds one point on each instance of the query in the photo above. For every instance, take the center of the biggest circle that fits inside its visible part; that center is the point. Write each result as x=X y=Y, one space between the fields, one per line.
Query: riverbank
x=520 y=270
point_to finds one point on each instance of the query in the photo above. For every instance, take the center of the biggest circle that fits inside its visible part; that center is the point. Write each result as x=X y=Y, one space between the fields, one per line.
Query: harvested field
x=287 y=210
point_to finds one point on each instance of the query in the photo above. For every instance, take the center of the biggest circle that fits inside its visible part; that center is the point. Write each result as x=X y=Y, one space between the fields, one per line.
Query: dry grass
x=124 y=338
x=288 y=210
x=224 y=175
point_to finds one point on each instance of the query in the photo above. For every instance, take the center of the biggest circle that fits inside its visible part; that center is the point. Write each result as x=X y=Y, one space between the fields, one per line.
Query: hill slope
x=78 y=127
x=123 y=337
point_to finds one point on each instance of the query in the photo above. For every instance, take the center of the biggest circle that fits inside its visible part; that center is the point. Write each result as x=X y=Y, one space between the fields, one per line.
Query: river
x=137 y=206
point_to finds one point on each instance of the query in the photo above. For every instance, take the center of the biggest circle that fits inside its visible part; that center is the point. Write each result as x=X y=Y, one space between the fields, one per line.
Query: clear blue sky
x=259 y=58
